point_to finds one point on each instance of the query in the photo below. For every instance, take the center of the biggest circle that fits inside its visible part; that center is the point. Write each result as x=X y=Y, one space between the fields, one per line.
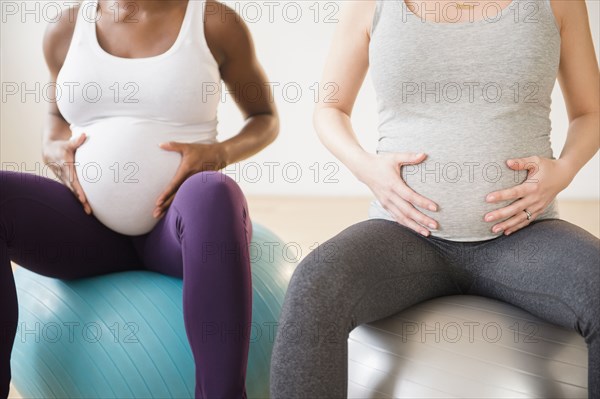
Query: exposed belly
x=123 y=171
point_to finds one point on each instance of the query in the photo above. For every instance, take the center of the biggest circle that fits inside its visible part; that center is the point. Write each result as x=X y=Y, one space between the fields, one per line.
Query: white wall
x=292 y=54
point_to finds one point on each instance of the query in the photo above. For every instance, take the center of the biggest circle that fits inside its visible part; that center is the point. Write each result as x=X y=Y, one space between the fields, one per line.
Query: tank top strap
x=376 y=15
x=197 y=10
x=392 y=12
x=88 y=16
x=530 y=11
x=537 y=12
x=548 y=13
x=200 y=10
x=84 y=18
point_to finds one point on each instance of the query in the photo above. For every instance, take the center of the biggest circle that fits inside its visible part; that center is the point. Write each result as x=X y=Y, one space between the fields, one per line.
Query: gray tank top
x=470 y=95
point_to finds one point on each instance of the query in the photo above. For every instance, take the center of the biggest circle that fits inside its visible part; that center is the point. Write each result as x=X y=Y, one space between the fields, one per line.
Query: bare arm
x=579 y=80
x=55 y=45
x=58 y=151
x=346 y=67
x=231 y=43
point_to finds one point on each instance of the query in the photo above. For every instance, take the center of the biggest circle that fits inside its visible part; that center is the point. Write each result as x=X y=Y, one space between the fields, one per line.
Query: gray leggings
x=376 y=268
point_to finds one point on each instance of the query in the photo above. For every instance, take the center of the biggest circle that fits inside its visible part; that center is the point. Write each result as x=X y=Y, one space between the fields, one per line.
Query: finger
x=75 y=179
x=78 y=192
x=87 y=207
x=510 y=222
x=515 y=228
x=403 y=218
x=81 y=140
x=80 y=197
x=172 y=146
x=162 y=208
x=508 y=194
x=509 y=210
x=68 y=170
x=516 y=219
x=411 y=212
x=409 y=158
x=55 y=168
x=410 y=223
x=393 y=210
x=527 y=163
x=408 y=194
x=519 y=226
x=78 y=141
x=173 y=185
x=68 y=185
x=77 y=187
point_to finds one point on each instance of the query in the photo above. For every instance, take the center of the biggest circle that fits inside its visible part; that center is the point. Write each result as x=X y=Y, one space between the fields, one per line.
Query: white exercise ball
x=466 y=346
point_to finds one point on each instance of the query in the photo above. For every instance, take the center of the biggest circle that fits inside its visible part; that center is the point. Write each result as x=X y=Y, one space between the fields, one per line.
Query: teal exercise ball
x=122 y=335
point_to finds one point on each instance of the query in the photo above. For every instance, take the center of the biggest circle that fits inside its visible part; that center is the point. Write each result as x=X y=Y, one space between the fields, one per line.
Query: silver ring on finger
x=528 y=214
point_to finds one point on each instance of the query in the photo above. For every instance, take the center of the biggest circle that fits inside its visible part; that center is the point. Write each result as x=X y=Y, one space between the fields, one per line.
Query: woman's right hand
x=383 y=177
x=61 y=159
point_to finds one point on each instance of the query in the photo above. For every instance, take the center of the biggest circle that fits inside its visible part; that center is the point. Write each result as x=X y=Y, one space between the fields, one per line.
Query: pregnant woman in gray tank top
x=464 y=95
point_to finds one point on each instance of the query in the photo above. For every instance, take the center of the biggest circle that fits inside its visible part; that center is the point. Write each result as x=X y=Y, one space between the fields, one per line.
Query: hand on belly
x=122 y=171
x=460 y=186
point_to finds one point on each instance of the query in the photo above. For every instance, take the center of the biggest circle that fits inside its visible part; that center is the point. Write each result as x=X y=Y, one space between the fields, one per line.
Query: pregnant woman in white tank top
x=462 y=89
x=137 y=89
x=128 y=96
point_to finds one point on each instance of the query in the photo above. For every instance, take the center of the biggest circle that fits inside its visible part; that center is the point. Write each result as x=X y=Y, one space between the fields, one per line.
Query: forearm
x=583 y=141
x=335 y=131
x=258 y=132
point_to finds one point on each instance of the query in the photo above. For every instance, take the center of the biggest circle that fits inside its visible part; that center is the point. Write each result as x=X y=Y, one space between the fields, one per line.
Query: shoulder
x=359 y=14
x=57 y=38
x=226 y=32
x=566 y=13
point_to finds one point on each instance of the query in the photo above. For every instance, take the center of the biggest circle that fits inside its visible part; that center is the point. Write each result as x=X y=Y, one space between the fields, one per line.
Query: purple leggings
x=38 y=215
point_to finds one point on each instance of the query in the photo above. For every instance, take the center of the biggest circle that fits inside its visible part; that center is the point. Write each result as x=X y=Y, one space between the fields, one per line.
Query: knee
x=316 y=289
x=205 y=190
x=210 y=184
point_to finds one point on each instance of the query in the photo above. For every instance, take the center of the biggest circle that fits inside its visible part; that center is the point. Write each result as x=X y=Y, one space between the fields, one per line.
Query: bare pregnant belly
x=123 y=171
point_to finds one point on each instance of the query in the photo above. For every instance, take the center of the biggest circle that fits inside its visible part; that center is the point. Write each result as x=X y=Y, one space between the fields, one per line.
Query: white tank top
x=127 y=106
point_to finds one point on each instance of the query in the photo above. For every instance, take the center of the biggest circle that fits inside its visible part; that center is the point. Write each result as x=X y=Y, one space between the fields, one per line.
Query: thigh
x=369 y=271
x=161 y=249
x=551 y=268
x=47 y=231
x=207 y=222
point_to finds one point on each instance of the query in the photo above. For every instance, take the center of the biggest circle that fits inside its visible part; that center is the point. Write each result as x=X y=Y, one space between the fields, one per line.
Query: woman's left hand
x=194 y=158
x=545 y=179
